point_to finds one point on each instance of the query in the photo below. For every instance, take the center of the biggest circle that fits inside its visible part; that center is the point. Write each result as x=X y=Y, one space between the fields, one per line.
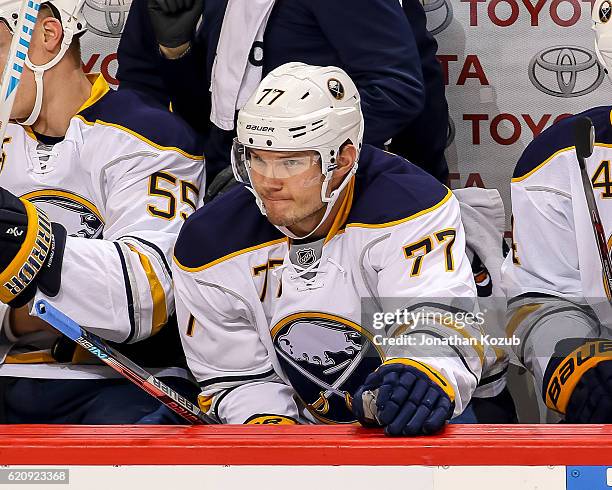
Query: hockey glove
x=579 y=384
x=223 y=182
x=406 y=398
x=174 y=21
x=31 y=251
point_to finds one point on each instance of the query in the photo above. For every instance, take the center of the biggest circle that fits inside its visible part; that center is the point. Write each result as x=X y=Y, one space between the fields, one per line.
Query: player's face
x=288 y=183
x=26 y=93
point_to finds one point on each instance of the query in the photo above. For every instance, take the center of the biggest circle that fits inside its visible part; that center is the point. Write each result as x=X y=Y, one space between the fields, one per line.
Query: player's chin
x=279 y=213
x=281 y=220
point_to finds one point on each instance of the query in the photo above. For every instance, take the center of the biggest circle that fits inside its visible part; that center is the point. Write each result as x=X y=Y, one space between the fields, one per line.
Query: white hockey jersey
x=122 y=182
x=553 y=278
x=263 y=339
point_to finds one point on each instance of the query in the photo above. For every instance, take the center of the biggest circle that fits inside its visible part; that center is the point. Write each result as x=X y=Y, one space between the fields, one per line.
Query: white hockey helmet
x=602 y=25
x=70 y=14
x=297 y=108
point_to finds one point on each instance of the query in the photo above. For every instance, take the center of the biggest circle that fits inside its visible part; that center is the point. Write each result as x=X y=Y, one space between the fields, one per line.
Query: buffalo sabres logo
x=79 y=216
x=336 y=88
x=326 y=358
x=306 y=257
x=605 y=11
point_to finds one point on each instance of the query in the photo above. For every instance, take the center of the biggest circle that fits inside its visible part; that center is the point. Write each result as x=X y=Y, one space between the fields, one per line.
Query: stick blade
x=584 y=137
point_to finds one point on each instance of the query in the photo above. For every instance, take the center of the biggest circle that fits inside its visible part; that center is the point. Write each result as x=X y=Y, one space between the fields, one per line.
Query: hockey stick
x=584 y=135
x=132 y=371
x=15 y=61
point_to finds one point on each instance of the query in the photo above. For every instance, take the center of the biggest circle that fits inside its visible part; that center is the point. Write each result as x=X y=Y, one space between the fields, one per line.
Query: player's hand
x=404 y=400
x=591 y=400
x=22 y=323
x=31 y=251
x=174 y=21
x=579 y=384
x=223 y=182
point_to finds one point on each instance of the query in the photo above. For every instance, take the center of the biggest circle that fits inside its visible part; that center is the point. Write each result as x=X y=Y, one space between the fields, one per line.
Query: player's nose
x=271 y=184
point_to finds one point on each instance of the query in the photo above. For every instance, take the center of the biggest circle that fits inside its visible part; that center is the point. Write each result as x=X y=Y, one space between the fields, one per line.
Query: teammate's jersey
x=122 y=182
x=271 y=327
x=554 y=251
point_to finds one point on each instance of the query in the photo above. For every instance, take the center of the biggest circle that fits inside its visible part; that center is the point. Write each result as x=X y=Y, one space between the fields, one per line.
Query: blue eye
x=256 y=160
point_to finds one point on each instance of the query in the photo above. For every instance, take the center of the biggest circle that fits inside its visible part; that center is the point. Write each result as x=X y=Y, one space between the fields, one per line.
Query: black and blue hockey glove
x=404 y=399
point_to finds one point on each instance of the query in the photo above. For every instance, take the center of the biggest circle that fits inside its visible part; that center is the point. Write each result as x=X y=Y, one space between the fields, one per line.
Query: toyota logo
x=106 y=18
x=565 y=71
x=439 y=15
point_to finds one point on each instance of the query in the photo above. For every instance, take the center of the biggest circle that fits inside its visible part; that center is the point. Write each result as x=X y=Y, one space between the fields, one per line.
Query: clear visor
x=271 y=164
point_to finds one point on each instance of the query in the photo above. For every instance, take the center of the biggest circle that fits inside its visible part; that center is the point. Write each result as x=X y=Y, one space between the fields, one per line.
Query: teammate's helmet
x=602 y=25
x=70 y=14
x=299 y=108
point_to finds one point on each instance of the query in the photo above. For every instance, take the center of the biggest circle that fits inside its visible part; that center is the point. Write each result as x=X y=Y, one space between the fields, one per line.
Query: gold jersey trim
x=343 y=211
x=158 y=296
x=140 y=137
x=423 y=212
x=550 y=158
x=229 y=256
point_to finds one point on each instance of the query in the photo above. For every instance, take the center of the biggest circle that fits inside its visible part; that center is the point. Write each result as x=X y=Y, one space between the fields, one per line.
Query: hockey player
x=558 y=305
x=270 y=276
x=94 y=186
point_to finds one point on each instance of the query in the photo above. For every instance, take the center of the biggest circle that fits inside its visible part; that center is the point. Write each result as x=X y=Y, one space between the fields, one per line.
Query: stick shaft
x=127 y=368
x=16 y=60
x=598 y=230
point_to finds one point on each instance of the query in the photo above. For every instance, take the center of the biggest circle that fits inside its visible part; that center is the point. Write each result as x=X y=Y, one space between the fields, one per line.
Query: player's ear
x=346 y=158
x=52 y=34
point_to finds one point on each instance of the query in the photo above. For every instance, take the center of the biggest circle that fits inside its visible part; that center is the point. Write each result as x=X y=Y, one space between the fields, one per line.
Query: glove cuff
x=50 y=279
x=32 y=255
x=430 y=372
x=563 y=373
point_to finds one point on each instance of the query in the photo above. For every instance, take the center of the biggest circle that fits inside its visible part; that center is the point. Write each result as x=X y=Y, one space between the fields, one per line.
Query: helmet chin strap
x=330 y=202
x=39 y=71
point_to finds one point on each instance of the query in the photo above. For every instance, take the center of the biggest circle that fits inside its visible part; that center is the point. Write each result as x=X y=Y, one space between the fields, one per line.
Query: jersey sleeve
x=541 y=275
x=425 y=274
x=384 y=62
x=544 y=255
x=225 y=352
x=120 y=287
